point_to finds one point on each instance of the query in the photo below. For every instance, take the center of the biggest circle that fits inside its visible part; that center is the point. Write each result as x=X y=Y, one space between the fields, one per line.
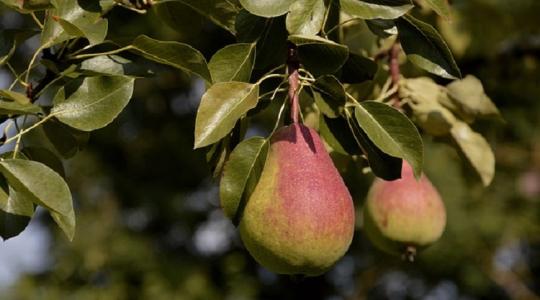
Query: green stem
x=18 y=142
x=26 y=130
x=81 y=56
x=268 y=77
x=341 y=24
x=39 y=24
x=17 y=77
x=32 y=61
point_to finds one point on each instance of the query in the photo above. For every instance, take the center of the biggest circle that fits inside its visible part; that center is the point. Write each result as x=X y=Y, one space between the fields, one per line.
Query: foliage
x=82 y=75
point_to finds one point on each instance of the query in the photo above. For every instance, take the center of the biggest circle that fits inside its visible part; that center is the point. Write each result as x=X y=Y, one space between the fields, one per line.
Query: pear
x=300 y=217
x=404 y=216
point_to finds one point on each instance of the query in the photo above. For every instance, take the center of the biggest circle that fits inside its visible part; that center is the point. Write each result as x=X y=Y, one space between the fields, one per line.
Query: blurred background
x=149 y=222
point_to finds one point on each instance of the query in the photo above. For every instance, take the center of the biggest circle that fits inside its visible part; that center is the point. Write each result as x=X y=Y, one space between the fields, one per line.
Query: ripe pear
x=300 y=217
x=404 y=215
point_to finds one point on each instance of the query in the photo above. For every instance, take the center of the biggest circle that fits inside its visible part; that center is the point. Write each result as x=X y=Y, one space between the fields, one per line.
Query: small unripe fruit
x=300 y=217
x=404 y=215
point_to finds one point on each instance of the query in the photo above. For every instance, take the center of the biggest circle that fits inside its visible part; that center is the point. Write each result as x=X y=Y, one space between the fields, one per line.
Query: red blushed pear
x=404 y=215
x=300 y=217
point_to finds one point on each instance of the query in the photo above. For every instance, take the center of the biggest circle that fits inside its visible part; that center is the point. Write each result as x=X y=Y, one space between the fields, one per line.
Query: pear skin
x=300 y=217
x=404 y=215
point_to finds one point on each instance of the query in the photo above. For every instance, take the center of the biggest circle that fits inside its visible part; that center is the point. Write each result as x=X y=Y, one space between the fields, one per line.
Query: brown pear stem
x=395 y=72
x=409 y=253
x=293 y=65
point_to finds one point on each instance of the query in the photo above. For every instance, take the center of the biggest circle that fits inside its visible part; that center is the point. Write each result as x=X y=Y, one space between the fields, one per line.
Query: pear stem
x=409 y=253
x=293 y=65
x=395 y=72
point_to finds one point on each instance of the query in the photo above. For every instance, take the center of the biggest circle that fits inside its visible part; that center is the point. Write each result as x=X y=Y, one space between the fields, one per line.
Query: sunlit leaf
x=469 y=97
x=392 y=132
x=14 y=96
x=175 y=54
x=45 y=187
x=93 y=102
x=82 y=15
x=221 y=106
x=381 y=164
x=241 y=174
x=233 y=63
x=440 y=7
x=14 y=203
x=376 y=9
x=267 y=8
x=426 y=48
x=305 y=17
x=15 y=108
x=95 y=33
x=476 y=149
x=112 y=65
x=45 y=157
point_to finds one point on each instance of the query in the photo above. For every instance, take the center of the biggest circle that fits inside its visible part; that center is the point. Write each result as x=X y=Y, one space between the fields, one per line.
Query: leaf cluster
x=361 y=109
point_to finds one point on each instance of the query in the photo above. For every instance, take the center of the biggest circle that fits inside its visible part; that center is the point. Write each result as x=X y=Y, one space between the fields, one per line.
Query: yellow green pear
x=404 y=215
x=300 y=217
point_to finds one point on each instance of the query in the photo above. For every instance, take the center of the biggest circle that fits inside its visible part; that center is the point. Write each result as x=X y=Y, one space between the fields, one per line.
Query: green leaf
x=358 y=69
x=329 y=96
x=175 y=54
x=426 y=48
x=305 y=17
x=28 y=6
x=241 y=174
x=93 y=102
x=320 y=56
x=424 y=97
x=470 y=99
x=440 y=7
x=14 y=96
x=249 y=27
x=217 y=156
x=382 y=165
x=476 y=149
x=14 y=203
x=46 y=157
x=65 y=140
x=112 y=65
x=15 y=108
x=382 y=28
x=267 y=8
x=45 y=187
x=376 y=9
x=337 y=134
x=392 y=132
x=182 y=18
x=83 y=16
x=233 y=63
x=221 y=106
x=222 y=13
x=12 y=225
x=269 y=34
x=95 y=33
